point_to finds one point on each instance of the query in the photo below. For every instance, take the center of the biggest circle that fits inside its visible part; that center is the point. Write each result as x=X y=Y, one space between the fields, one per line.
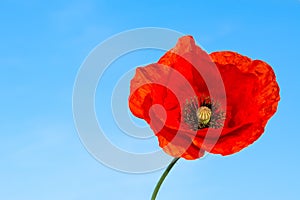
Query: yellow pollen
x=203 y=114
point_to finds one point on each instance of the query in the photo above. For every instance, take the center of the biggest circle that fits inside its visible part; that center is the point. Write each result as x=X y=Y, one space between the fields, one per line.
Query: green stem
x=162 y=178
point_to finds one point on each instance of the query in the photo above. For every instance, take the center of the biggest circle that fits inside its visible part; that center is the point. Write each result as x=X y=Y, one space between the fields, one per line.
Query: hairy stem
x=162 y=178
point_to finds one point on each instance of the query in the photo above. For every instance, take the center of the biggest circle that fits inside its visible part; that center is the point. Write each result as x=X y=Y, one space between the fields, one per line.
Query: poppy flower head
x=218 y=103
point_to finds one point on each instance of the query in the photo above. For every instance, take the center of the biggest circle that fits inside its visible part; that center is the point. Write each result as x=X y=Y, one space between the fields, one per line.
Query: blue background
x=42 y=46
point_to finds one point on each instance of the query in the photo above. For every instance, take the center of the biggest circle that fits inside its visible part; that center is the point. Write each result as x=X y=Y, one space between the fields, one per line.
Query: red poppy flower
x=193 y=115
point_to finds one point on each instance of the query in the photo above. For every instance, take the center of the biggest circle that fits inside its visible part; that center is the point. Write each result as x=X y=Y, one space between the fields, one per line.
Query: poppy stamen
x=202 y=113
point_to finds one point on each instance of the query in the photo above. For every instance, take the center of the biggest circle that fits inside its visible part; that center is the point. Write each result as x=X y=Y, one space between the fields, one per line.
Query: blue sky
x=42 y=48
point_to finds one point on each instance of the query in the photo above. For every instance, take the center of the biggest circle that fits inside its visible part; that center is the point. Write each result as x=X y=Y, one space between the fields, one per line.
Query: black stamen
x=190 y=113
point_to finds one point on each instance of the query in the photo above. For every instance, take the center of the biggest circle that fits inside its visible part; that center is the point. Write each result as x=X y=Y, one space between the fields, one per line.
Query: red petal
x=252 y=97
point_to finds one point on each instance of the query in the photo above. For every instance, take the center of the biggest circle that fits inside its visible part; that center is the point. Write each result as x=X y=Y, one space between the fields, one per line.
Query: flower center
x=202 y=113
